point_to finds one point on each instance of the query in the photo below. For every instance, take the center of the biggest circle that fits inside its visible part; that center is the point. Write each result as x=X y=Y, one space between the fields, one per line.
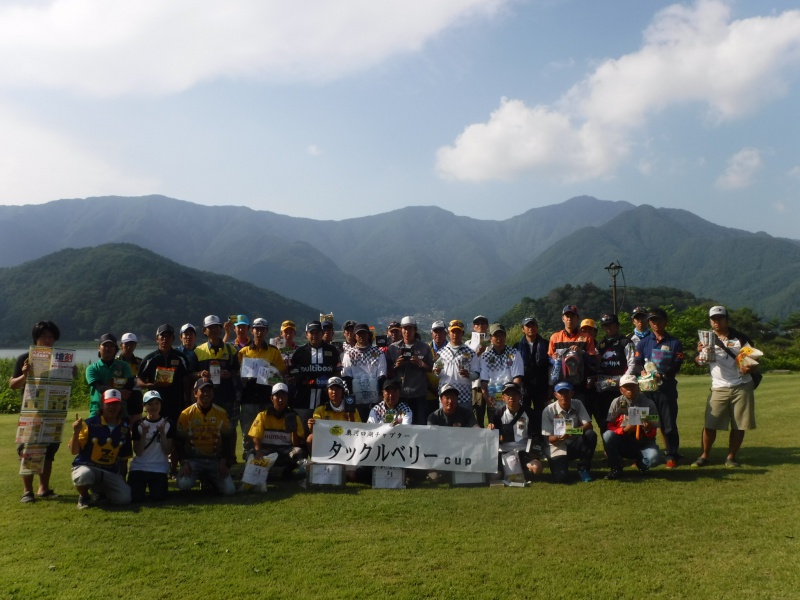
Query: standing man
x=364 y=370
x=731 y=400
x=165 y=370
x=438 y=336
x=457 y=365
x=613 y=354
x=44 y=333
x=640 y=330
x=108 y=373
x=256 y=393
x=533 y=350
x=349 y=333
x=410 y=360
x=313 y=364
x=99 y=443
x=218 y=361
x=666 y=353
x=568 y=428
x=478 y=343
x=500 y=364
x=128 y=347
x=574 y=348
x=240 y=325
x=188 y=336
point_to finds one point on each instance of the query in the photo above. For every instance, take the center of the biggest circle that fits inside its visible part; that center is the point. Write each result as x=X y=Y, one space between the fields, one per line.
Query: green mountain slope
x=121 y=287
x=664 y=247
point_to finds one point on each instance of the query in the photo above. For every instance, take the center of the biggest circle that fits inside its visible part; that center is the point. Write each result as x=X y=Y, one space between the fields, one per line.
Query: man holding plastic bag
x=732 y=364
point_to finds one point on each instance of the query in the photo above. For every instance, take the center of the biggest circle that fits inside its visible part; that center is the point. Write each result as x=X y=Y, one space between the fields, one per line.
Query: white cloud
x=741 y=170
x=48 y=165
x=314 y=150
x=155 y=47
x=690 y=54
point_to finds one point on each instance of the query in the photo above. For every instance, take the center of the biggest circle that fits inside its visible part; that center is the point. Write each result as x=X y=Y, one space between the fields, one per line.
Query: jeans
x=627 y=446
x=206 y=469
x=581 y=447
x=666 y=401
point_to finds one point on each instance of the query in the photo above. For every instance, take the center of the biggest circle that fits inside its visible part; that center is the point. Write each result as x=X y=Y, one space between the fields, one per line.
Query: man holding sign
x=568 y=428
x=632 y=426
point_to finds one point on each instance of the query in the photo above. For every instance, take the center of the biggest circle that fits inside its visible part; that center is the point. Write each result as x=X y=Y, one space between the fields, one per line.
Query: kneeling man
x=568 y=428
x=99 y=443
x=205 y=442
x=625 y=440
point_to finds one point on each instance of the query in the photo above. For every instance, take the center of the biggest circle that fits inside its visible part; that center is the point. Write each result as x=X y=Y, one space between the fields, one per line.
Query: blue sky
x=337 y=109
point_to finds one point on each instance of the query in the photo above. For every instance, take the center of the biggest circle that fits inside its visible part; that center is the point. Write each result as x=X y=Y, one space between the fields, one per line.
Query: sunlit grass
x=692 y=533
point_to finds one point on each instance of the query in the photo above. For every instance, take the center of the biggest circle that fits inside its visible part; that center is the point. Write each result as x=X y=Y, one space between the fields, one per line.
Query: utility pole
x=613 y=270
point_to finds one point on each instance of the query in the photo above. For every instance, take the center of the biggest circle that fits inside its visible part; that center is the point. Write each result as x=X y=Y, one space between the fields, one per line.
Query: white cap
x=211 y=320
x=128 y=337
x=628 y=379
x=280 y=387
x=717 y=311
x=408 y=321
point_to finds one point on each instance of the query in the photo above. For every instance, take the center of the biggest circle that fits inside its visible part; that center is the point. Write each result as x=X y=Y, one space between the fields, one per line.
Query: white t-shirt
x=724 y=372
x=152 y=459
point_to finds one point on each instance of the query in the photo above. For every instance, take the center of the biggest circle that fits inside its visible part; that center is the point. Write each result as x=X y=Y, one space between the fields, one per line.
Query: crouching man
x=625 y=440
x=205 y=442
x=280 y=430
x=568 y=428
x=515 y=424
x=99 y=443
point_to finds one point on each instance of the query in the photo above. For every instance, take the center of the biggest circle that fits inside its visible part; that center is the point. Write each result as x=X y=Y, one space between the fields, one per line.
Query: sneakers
x=731 y=463
x=672 y=464
x=83 y=502
x=584 y=476
x=614 y=474
x=700 y=462
x=643 y=468
x=27 y=497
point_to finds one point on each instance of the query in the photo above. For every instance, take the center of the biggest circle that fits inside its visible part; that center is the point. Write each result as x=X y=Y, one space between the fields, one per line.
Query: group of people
x=175 y=412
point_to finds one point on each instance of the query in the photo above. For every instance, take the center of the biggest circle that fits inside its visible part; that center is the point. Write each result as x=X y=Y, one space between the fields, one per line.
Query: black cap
x=361 y=327
x=391 y=383
x=348 y=325
x=530 y=321
x=609 y=319
x=658 y=313
x=313 y=326
x=108 y=337
x=639 y=310
x=165 y=328
x=511 y=386
x=570 y=308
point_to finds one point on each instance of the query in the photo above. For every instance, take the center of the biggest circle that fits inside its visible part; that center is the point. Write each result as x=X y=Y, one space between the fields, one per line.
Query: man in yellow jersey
x=205 y=442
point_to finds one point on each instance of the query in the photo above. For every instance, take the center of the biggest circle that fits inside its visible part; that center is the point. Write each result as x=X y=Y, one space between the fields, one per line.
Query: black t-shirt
x=462 y=418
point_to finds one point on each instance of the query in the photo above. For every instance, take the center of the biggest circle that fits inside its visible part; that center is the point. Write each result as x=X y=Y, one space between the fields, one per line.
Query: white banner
x=470 y=450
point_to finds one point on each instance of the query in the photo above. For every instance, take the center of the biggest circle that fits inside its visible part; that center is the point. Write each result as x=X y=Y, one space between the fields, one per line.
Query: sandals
x=49 y=494
x=28 y=497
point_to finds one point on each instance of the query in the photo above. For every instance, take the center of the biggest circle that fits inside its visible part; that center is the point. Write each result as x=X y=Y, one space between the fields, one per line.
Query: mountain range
x=425 y=260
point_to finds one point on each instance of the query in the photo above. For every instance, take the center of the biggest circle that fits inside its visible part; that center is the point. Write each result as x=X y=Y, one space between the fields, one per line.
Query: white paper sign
x=637 y=415
x=559 y=426
x=388 y=478
x=250 y=366
x=257 y=469
x=365 y=389
x=406 y=446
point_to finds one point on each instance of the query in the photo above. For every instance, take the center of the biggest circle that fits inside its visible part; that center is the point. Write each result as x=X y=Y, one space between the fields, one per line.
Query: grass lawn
x=691 y=533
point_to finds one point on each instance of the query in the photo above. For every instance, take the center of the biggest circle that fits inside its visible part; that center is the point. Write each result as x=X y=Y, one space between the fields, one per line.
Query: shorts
x=49 y=454
x=735 y=405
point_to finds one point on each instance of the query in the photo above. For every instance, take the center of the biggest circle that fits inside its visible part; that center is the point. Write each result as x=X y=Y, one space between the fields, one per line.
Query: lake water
x=84 y=356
